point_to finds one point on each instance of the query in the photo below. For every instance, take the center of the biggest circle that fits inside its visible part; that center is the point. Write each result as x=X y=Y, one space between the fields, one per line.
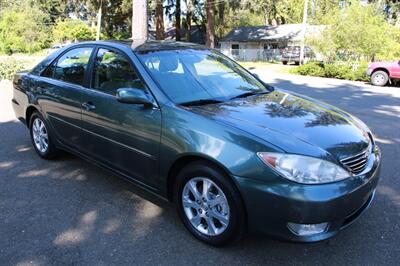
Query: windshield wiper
x=249 y=93
x=201 y=102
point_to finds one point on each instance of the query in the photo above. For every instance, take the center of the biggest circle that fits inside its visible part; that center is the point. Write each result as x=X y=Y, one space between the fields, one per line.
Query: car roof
x=150 y=45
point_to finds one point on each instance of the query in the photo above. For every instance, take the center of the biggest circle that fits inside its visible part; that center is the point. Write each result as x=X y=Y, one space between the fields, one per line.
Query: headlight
x=304 y=169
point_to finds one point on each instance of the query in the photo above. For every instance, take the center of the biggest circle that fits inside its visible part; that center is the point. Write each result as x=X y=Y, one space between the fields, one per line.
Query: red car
x=383 y=72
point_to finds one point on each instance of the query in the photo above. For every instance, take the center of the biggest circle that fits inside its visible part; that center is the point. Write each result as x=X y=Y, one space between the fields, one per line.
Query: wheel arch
x=381 y=69
x=184 y=160
x=28 y=113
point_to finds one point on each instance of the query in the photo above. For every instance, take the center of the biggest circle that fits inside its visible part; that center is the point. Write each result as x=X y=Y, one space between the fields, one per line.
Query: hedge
x=339 y=70
x=10 y=65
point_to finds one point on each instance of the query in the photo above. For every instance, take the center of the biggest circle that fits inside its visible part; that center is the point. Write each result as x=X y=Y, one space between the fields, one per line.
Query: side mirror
x=133 y=96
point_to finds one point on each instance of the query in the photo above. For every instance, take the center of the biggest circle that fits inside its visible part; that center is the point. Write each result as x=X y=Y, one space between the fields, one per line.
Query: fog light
x=307 y=229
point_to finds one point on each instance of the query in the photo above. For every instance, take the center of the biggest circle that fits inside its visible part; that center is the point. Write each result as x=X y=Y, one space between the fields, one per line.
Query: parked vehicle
x=291 y=54
x=382 y=73
x=55 y=48
x=192 y=126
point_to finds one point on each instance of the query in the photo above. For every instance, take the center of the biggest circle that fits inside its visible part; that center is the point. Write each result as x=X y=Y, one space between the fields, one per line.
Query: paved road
x=70 y=212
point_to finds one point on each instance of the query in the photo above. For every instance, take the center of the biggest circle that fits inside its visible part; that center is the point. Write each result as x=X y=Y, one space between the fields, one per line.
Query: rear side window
x=70 y=67
x=113 y=71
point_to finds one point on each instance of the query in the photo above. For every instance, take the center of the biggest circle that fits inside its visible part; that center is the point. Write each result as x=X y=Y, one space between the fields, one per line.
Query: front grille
x=356 y=164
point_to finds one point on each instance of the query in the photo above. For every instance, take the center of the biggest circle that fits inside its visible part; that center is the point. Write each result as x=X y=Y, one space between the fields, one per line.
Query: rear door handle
x=88 y=106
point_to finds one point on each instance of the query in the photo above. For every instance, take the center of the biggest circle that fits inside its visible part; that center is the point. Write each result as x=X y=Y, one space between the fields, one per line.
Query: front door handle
x=88 y=106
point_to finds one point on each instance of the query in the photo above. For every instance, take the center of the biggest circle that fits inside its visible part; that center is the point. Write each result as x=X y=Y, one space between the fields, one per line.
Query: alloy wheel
x=40 y=135
x=205 y=206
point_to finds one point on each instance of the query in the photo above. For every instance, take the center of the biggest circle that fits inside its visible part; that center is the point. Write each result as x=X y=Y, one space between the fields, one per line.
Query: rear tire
x=379 y=78
x=219 y=217
x=284 y=62
x=42 y=140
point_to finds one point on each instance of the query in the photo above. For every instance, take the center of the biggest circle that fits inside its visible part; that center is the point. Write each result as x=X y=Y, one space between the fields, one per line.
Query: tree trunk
x=98 y=30
x=159 y=20
x=210 y=42
x=178 y=20
x=139 y=22
x=221 y=10
x=266 y=16
x=188 y=20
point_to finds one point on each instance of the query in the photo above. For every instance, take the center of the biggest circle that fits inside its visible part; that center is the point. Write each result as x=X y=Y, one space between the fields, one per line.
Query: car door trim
x=105 y=138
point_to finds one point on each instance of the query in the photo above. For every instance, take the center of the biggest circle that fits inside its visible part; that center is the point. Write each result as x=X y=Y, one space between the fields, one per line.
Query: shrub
x=339 y=70
x=310 y=69
x=359 y=72
x=8 y=68
x=10 y=65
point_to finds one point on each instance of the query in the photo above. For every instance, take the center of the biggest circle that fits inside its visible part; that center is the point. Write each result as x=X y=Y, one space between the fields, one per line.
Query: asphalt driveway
x=71 y=212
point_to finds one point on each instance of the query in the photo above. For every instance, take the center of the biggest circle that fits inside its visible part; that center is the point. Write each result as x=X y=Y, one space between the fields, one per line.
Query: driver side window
x=113 y=71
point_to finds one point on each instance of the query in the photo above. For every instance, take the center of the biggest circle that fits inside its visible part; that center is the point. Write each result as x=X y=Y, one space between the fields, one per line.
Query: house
x=264 y=43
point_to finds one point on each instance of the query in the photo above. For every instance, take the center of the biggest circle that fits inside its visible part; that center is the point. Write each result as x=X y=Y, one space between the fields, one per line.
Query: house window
x=235 y=49
x=270 y=46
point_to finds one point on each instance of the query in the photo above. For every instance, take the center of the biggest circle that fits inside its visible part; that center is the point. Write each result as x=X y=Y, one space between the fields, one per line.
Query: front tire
x=41 y=138
x=379 y=78
x=209 y=204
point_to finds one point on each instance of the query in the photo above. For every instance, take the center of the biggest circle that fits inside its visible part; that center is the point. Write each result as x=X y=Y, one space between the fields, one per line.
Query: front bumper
x=271 y=206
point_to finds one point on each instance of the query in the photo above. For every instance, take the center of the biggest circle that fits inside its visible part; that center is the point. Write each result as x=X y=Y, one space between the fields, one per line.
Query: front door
x=60 y=87
x=123 y=136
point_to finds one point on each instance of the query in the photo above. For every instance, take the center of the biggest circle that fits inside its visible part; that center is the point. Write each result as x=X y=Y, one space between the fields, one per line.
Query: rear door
x=123 y=136
x=60 y=88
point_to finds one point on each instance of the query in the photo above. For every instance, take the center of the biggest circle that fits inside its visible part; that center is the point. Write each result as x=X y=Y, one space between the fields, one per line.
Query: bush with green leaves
x=339 y=70
x=23 y=31
x=310 y=69
x=8 y=68
x=72 y=30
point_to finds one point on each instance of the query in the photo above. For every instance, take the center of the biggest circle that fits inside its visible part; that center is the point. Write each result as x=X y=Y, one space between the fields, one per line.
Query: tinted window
x=113 y=71
x=71 y=66
x=190 y=75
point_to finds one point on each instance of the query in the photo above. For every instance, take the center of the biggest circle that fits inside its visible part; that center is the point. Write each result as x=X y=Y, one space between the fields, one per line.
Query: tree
x=178 y=20
x=72 y=30
x=358 y=32
x=116 y=16
x=210 y=10
x=159 y=20
x=188 y=20
x=55 y=8
x=23 y=30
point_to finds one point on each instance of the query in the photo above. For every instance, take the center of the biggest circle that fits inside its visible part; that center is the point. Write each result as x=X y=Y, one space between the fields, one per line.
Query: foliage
x=23 y=30
x=310 y=69
x=8 y=68
x=339 y=70
x=72 y=30
x=357 y=32
x=277 y=11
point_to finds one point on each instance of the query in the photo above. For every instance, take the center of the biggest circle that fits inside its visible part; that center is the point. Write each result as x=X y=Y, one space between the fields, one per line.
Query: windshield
x=190 y=75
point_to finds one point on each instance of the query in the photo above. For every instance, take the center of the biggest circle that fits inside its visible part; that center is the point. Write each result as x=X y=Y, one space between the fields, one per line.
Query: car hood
x=293 y=123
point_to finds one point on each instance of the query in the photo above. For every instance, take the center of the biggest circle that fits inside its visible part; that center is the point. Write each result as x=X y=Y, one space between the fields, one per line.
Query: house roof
x=292 y=32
